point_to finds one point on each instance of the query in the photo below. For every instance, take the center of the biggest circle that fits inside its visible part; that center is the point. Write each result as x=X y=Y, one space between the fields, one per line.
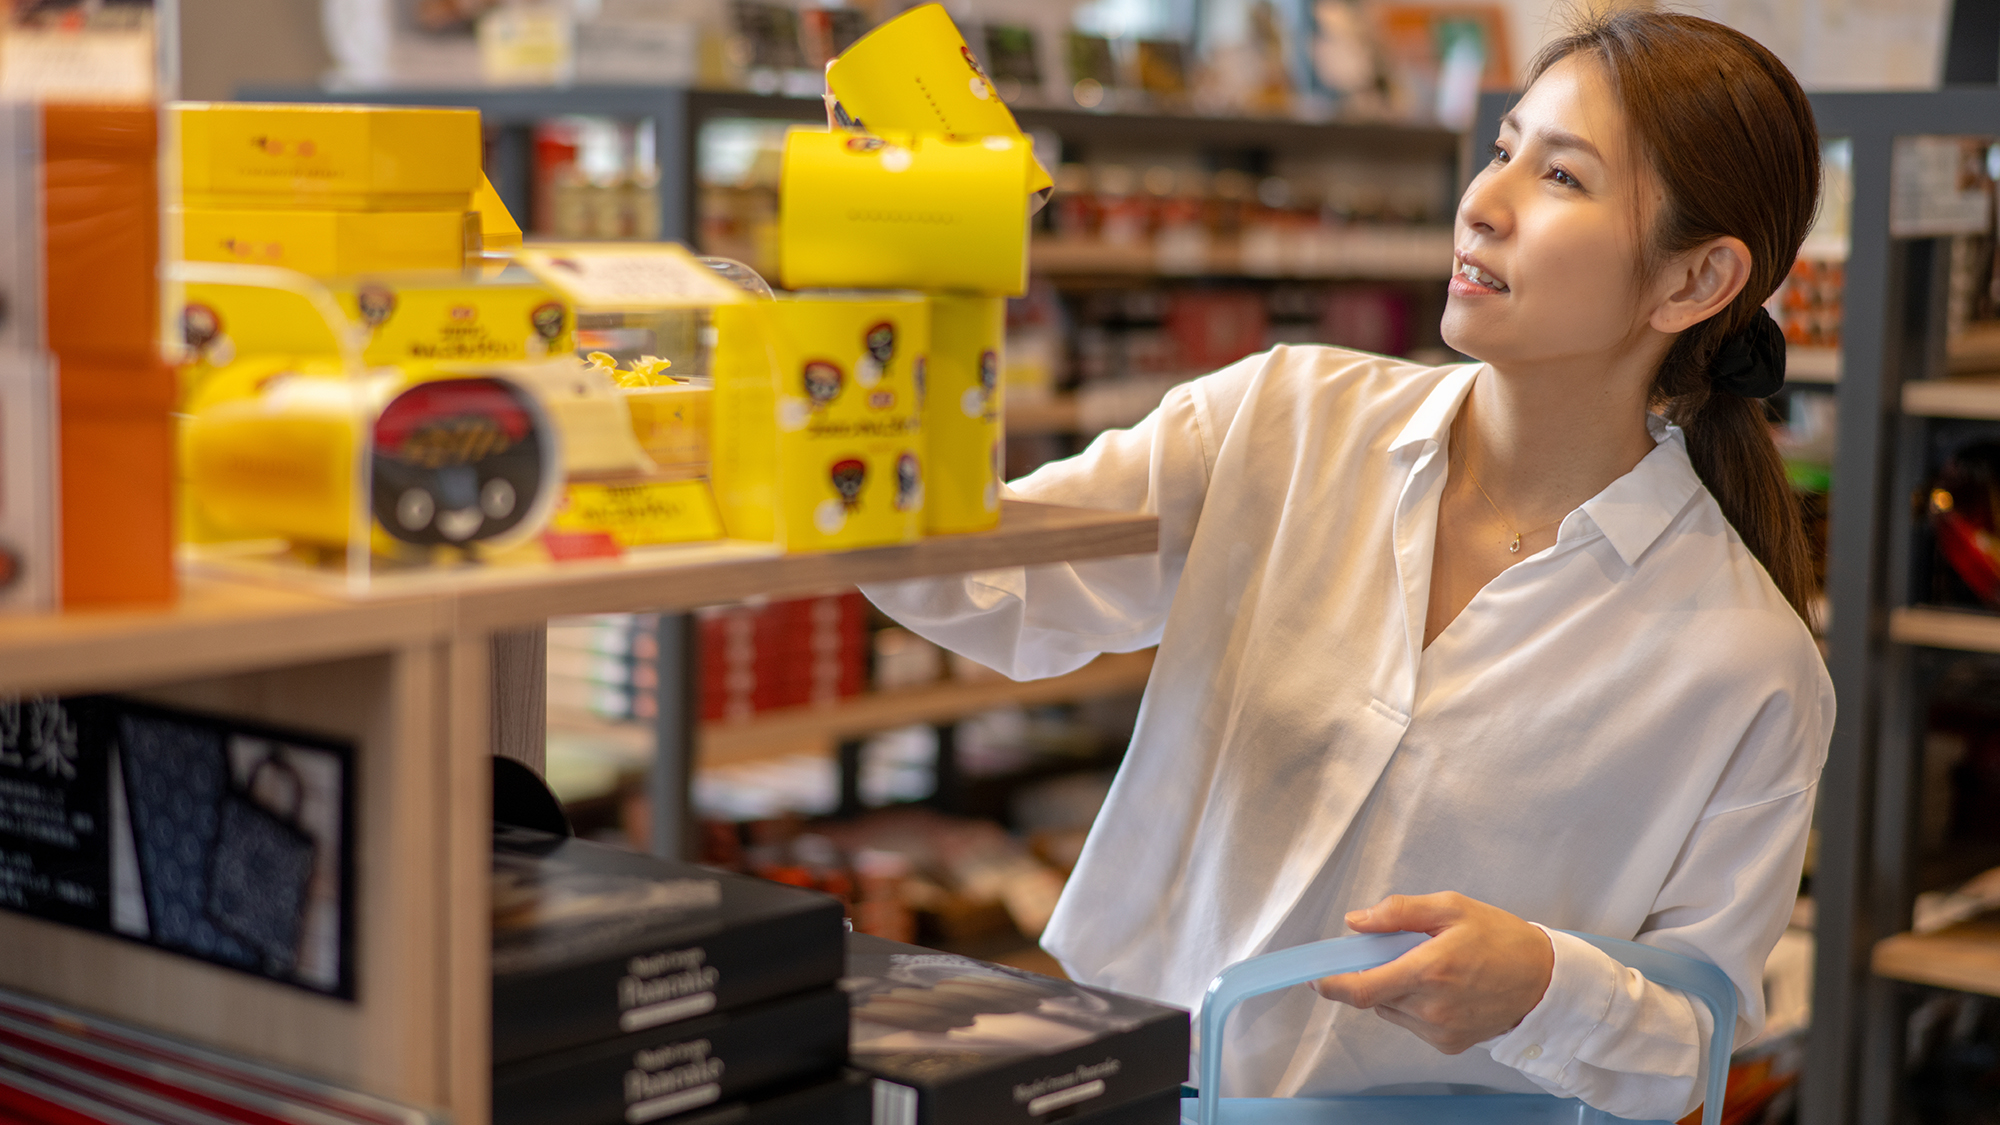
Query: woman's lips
x=1469 y=279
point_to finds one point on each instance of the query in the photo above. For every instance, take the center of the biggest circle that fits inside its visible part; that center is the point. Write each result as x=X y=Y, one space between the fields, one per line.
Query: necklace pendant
x=1514 y=548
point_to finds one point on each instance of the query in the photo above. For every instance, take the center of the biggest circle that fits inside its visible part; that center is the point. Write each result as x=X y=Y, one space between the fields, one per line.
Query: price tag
x=639 y=513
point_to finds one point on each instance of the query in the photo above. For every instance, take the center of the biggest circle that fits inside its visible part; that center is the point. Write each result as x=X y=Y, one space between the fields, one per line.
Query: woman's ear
x=1700 y=283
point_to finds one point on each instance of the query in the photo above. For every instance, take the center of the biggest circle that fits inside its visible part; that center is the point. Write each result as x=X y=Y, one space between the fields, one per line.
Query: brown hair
x=1731 y=137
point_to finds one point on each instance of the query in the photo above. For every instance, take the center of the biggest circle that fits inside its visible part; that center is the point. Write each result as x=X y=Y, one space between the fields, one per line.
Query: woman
x=1473 y=650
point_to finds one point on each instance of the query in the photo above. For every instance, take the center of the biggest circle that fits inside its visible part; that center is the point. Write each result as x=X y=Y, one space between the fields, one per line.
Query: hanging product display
x=912 y=211
x=963 y=426
x=817 y=439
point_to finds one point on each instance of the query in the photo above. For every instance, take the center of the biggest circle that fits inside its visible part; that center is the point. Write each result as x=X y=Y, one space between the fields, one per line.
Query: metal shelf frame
x=1892 y=334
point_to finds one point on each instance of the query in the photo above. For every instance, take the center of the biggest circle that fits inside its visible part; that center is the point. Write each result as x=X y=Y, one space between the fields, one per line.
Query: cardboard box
x=956 y=1041
x=672 y=943
x=673 y=1070
x=817 y=440
x=328 y=243
x=963 y=418
x=328 y=157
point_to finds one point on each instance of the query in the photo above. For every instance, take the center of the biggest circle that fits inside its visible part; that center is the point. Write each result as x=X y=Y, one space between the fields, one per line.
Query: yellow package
x=455 y=462
x=817 y=432
x=672 y=424
x=327 y=243
x=919 y=212
x=328 y=157
x=638 y=513
x=962 y=414
x=405 y=323
x=914 y=74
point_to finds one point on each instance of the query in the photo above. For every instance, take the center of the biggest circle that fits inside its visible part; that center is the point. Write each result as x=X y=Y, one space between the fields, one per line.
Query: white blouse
x=1618 y=735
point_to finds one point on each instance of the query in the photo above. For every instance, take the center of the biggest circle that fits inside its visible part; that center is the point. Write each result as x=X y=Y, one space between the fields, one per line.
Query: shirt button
x=1534 y=1051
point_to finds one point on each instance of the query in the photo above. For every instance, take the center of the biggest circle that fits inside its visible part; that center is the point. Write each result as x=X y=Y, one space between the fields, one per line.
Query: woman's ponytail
x=1730 y=135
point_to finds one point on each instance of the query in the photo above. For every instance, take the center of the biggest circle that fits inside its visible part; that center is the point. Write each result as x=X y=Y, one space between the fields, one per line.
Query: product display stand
x=408 y=679
x=1892 y=338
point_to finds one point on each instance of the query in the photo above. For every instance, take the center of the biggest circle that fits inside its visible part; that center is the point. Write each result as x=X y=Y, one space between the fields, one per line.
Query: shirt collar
x=1631 y=512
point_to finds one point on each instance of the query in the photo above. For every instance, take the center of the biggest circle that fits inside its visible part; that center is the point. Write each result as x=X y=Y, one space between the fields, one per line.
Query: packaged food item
x=915 y=211
x=328 y=243
x=100 y=247
x=915 y=74
x=418 y=321
x=963 y=424
x=328 y=157
x=954 y=1041
x=455 y=462
x=664 y=1072
x=817 y=435
x=593 y=942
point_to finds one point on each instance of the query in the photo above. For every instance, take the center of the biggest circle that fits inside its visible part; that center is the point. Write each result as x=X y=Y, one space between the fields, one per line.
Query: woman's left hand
x=1481 y=973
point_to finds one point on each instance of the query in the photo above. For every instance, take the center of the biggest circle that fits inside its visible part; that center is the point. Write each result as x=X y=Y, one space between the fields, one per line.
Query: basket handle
x=1356 y=952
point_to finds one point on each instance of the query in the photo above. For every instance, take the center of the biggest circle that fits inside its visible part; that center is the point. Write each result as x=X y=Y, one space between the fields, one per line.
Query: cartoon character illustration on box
x=980 y=84
x=547 y=319
x=201 y=327
x=865 y=144
x=909 y=483
x=848 y=476
x=376 y=303
x=922 y=374
x=456 y=461
x=880 y=340
x=822 y=380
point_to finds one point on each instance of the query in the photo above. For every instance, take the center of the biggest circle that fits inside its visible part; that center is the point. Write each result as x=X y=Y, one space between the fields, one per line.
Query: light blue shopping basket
x=1288 y=967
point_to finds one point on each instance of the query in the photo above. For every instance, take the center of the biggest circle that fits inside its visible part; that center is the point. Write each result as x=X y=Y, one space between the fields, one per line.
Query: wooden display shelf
x=1389 y=254
x=1952 y=398
x=221 y=625
x=1965 y=957
x=791 y=730
x=1812 y=365
x=1056 y=414
x=940 y=702
x=1933 y=627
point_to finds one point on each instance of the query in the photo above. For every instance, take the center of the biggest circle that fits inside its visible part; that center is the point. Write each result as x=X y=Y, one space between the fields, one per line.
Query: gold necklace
x=1513 y=548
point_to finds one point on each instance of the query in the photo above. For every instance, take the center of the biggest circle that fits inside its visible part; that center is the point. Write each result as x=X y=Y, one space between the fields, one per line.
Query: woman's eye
x=1561 y=176
x=1499 y=154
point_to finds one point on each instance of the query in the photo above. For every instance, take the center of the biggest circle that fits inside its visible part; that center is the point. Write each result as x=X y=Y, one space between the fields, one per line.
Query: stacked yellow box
x=328 y=190
x=812 y=445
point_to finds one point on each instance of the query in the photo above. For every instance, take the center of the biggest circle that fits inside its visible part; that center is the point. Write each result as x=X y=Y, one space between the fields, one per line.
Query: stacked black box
x=629 y=989
x=954 y=1041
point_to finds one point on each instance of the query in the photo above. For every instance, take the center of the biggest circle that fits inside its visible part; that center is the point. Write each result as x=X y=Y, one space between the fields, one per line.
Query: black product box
x=837 y=1101
x=593 y=942
x=956 y=1041
x=672 y=1070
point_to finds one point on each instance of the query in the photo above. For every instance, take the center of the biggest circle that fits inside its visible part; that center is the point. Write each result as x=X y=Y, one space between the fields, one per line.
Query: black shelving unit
x=1892 y=336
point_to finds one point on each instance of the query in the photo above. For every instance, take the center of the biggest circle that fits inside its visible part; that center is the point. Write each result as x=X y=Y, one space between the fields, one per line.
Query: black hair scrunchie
x=1751 y=363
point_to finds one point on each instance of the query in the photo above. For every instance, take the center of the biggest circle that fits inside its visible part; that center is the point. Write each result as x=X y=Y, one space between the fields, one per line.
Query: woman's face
x=1548 y=235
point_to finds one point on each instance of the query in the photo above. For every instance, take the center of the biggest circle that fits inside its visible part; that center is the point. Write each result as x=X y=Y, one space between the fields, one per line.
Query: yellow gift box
x=329 y=243
x=328 y=157
x=914 y=74
x=817 y=433
x=962 y=414
x=417 y=322
x=919 y=212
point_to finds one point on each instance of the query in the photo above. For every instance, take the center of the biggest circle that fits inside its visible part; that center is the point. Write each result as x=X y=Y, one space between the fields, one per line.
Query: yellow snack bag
x=963 y=423
x=915 y=74
x=916 y=212
x=817 y=433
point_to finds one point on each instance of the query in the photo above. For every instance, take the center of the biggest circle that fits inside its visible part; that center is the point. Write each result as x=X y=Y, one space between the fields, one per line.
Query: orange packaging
x=101 y=254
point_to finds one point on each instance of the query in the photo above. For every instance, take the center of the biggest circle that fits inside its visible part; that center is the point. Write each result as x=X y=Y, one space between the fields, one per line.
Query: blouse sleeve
x=1032 y=622
x=1606 y=1035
